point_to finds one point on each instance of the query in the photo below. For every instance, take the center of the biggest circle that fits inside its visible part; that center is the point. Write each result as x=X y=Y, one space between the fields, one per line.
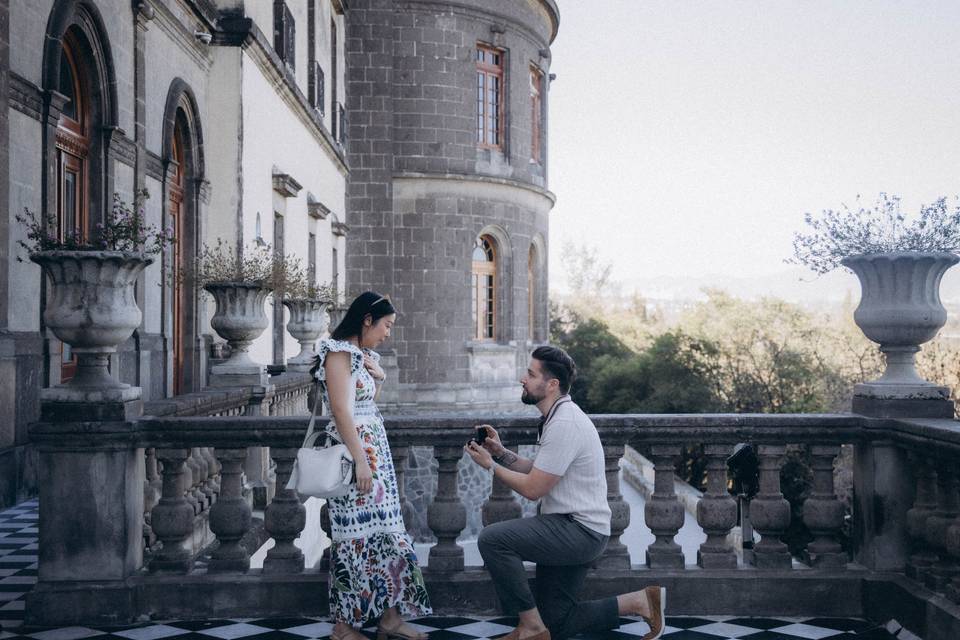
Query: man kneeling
x=567 y=475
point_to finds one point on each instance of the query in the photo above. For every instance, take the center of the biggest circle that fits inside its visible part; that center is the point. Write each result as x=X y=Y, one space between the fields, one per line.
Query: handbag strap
x=307 y=442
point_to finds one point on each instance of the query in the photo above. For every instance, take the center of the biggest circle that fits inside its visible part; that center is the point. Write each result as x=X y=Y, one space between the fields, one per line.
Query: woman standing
x=373 y=567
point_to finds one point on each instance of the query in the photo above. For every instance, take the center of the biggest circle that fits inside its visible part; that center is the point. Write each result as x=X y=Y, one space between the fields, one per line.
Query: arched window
x=531 y=292
x=484 y=288
x=73 y=150
x=176 y=190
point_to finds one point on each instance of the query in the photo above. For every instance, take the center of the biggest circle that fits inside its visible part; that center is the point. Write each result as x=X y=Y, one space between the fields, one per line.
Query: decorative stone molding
x=316 y=209
x=339 y=229
x=119 y=146
x=25 y=97
x=285 y=185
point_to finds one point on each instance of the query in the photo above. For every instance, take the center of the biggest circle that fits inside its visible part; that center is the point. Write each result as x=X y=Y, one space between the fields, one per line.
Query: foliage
x=223 y=263
x=586 y=340
x=839 y=233
x=675 y=375
x=124 y=228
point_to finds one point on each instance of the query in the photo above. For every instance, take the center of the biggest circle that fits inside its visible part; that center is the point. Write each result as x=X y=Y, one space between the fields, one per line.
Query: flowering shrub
x=845 y=232
x=223 y=263
x=123 y=229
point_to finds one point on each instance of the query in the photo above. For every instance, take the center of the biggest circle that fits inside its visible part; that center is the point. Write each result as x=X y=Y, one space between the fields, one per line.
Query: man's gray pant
x=563 y=550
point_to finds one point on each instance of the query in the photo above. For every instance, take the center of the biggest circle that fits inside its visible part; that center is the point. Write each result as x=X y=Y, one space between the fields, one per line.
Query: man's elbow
x=532 y=493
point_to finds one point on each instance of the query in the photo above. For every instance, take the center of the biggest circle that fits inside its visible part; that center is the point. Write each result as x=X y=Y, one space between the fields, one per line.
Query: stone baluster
x=284 y=519
x=172 y=518
x=770 y=512
x=717 y=512
x=152 y=487
x=952 y=544
x=823 y=512
x=203 y=472
x=446 y=515
x=211 y=487
x=945 y=568
x=501 y=504
x=191 y=477
x=400 y=456
x=230 y=517
x=922 y=556
x=328 y=530
x=616 y=555
x=663 y=513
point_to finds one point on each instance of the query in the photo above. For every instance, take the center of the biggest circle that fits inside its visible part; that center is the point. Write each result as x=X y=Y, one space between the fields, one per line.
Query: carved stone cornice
x=316 y=209
x=25 y=97
x=285 y=185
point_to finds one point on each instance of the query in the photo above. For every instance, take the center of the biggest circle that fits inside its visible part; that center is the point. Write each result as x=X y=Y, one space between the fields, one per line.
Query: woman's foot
x=398 y=630
x=343 y=631
x=522 y=633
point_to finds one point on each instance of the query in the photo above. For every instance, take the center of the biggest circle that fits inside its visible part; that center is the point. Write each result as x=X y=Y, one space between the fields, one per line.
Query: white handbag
x=321 y=472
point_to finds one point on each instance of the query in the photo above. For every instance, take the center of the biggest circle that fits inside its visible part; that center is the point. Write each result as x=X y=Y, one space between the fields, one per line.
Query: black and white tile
x=18 y=574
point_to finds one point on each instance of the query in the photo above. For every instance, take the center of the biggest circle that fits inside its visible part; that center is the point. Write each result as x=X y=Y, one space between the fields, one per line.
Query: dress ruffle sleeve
x=326 y=346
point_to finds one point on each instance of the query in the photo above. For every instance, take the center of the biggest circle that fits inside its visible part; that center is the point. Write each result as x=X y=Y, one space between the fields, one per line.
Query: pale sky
x=687 y=139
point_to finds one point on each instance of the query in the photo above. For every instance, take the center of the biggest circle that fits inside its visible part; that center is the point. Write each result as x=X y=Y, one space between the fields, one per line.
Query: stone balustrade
x=904 y=548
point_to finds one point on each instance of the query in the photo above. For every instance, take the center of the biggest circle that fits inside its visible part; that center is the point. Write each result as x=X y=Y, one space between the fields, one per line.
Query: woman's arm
x=337 y=372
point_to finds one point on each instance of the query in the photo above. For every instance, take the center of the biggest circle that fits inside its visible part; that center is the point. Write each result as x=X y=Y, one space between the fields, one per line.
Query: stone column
x=284 y=519
x=616 y=555
x=945 y=568
x=922 y=556
x=400 y=455
x=882 y=500
x=172 y=518
x=260 y=476
x=446 y=515
x=770 y=512
x=230 y=517
x=502 y=503
x=663 y=513
x=717 y=512
x=823 y=512
x=151 y=495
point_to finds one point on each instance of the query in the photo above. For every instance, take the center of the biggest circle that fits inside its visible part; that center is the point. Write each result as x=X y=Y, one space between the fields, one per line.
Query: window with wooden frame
x=531 y=292
x=536 y=119
x=177 y=189
x=73 y=149
x=489 y=97
x=316 y=87
x=284 y=34
x=484 y=288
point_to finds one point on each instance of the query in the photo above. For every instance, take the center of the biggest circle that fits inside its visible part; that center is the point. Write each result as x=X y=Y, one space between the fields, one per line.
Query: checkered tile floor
x=18 y=574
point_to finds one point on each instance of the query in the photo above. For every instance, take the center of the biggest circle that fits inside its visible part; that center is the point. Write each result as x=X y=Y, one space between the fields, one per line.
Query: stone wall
x=421 y=190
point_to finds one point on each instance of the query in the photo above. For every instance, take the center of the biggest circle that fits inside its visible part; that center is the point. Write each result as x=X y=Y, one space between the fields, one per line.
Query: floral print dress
x=373 y=565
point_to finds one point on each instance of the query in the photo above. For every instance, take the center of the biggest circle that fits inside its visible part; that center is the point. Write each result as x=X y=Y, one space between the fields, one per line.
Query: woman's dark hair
x=556 y=363
x=368 y=303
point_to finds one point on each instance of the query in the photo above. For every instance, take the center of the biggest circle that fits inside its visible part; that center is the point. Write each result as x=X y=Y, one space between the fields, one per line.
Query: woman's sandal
x=397 y=634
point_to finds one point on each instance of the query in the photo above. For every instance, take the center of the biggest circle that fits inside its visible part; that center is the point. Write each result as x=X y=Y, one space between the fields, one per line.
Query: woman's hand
x=479 y=454
x=371 y=365
x=364 y=475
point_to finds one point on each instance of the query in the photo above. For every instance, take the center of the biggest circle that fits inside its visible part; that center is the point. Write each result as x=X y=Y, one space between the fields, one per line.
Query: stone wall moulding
x=285 y=185
x=339 y=228
x=315 y=208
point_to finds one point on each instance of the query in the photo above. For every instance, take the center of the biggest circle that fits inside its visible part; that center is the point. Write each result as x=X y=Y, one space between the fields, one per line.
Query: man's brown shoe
x=657 y=601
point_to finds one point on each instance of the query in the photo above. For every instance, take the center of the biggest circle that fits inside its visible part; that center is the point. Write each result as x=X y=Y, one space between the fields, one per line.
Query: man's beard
x=528 y=398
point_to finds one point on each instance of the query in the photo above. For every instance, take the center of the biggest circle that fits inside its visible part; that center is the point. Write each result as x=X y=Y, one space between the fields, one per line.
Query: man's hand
x=492 y=443
x=479 y=454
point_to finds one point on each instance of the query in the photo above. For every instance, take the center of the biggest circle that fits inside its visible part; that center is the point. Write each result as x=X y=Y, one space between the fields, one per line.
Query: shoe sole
x=663 y=614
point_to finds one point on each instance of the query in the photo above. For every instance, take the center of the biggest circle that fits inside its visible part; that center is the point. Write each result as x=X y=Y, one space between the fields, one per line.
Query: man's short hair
x=556 y=363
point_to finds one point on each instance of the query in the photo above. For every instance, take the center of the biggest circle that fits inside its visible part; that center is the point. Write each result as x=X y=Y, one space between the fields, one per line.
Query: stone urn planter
x=240 y=319
x=308 y=321
x=92 y=308
x=900 y=309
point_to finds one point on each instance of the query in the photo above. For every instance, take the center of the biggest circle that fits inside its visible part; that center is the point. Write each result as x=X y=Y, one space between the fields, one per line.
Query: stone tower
x=447 y=200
